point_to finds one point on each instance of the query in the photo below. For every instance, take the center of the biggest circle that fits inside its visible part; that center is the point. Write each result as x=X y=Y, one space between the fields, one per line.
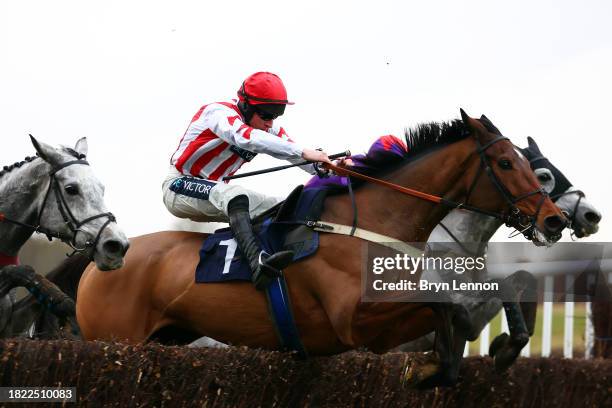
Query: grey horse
x=55 y=193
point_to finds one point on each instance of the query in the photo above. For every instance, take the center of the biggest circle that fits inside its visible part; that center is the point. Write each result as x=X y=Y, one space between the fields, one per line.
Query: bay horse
x=155 y=288
x=57 y=194
x=468 y=234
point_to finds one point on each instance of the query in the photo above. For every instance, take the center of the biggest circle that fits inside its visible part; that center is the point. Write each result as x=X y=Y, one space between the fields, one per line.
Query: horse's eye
x=71 y=189
x=505 y=164
x=544 y=177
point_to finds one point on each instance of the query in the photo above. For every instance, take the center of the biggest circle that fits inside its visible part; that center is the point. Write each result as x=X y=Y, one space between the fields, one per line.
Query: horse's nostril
x=554 y=223
x=592 y=217
x=114 y=247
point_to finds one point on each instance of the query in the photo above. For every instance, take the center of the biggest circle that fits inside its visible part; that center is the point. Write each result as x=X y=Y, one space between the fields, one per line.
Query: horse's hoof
x=505 y=350
x=417 y=372
x=506 y=357
x=497 y=343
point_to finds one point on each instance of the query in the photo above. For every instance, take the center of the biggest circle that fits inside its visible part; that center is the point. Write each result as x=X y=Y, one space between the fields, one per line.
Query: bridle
x=69 y=219
x=581 y=195
x=527 y=223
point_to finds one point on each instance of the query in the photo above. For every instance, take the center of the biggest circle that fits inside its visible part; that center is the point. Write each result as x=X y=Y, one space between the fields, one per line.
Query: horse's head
x=510 y=184
x=584 y=217
x=73 y=207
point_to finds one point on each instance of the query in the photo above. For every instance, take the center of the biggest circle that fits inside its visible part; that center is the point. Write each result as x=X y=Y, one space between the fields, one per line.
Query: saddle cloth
x=282 y=227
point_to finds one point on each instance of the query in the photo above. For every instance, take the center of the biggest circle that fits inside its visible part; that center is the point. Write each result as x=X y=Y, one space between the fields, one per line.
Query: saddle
x=294 y=220
x=286 y=226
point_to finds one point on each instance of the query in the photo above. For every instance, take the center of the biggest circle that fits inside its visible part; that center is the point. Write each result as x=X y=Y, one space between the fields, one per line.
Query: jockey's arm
x=231 y=129
x=276 y=142
x=307 y=154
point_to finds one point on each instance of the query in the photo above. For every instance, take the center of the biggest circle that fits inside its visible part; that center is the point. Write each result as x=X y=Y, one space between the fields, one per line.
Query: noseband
x=69 y=219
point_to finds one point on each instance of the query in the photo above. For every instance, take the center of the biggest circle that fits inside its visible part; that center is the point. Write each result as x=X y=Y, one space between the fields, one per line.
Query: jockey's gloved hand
x=315 y=156
x=318 y=156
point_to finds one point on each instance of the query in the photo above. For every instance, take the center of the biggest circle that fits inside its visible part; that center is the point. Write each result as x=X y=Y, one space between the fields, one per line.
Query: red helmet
x=263 y=88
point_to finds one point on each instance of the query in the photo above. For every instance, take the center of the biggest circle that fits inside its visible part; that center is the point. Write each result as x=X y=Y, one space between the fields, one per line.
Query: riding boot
x=265 y=267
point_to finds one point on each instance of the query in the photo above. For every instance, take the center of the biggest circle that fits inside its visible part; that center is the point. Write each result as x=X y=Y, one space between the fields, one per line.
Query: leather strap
x=333 y=228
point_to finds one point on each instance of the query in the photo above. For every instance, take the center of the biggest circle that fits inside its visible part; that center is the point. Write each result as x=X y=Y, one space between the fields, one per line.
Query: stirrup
x=278 y=260
x=263 y=255
x=270 y=268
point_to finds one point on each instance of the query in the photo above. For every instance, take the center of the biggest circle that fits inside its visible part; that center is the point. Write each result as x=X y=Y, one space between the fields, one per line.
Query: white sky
x=130 y=75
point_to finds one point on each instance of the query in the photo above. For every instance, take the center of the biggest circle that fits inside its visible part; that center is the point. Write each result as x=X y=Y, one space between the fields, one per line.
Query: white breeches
x=207 y=201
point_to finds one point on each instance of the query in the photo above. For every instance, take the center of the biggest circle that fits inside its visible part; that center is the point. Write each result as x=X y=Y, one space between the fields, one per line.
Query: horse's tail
x=68 y=274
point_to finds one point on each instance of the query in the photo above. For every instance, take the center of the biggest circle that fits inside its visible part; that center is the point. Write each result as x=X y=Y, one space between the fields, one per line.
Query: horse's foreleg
x=39 y=311
x=449 y=344
x=481 y=312
x=43 y=290
x=506 y=348
x=526 y=285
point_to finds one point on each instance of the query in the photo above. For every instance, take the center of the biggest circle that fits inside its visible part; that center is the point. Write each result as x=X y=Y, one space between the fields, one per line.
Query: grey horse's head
x=74 y=205
x=583 y=215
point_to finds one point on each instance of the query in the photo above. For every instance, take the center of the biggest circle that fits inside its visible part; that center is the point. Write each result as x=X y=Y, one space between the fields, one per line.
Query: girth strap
x=393 y=243
x=280 y=310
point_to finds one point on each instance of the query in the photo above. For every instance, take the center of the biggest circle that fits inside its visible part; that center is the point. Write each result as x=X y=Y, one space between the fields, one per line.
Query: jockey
x=221 y=137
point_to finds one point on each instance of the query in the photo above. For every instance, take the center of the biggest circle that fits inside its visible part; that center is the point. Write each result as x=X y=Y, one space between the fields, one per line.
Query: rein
x=69 y=219
x=514 y=217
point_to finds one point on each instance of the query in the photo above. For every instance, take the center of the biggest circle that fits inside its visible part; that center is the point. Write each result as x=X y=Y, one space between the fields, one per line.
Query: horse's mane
x=16 y=165
x=7 y=169
x=426 y=137
x=386 y=155
x=72 y=152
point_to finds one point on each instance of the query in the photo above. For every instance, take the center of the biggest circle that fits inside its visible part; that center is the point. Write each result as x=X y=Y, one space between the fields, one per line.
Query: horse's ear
x=486 y=122
x=81 y=146
x=464 y=117
x=470 y=124
x=533 y=145
x=46 y=152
